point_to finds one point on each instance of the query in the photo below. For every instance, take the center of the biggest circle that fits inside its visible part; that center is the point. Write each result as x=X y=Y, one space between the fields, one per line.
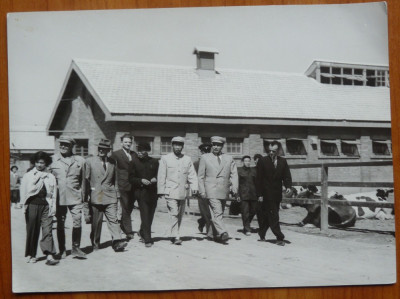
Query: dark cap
x=104 y=143
x=143 y=146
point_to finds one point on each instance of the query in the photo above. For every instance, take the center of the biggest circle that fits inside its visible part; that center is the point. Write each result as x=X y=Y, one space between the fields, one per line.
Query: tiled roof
x=144 y=89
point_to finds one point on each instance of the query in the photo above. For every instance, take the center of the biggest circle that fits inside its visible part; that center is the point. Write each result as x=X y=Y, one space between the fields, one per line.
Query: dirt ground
x=361 y=255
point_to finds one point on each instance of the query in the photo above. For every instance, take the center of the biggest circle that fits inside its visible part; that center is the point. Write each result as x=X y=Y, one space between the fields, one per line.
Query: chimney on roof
x=205 y=60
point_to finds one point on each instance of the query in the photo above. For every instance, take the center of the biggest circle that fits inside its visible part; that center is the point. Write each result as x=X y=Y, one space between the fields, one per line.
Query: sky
x=285 y=38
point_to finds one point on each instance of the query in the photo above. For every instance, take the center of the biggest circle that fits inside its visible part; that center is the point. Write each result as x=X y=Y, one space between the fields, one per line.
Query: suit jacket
x=70 y=176
x=123 y=165
x=102 y=183
x=174 y=173
x=214 y=178
x=247 y=183
x=270 y=179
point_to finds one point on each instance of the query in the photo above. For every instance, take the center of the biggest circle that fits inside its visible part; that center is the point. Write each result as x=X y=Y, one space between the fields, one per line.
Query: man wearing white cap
x=217 y=172
x=69 y=170
x=174 y=173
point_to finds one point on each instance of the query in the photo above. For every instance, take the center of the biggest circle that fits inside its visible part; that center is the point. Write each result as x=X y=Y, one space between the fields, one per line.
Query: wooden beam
x=324 y=199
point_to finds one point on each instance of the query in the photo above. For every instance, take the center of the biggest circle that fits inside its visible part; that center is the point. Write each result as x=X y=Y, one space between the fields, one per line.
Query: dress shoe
x=120 y=246
x=148 y=245
x=52 y=262
x=177 y=242
x=78 y=253
x=262 y=238
x=280 y=243
x=140 y=237
x=201 y=224
x=130 y=236
x=224 y=238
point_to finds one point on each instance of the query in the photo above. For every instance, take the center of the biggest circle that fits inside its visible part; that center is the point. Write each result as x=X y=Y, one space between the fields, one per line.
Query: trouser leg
x=217 y=208
x=244 y=207
x=110 y=211
x=204 y=208
x=146 y=218
x=127 y=202
x=76 y=213
x=97 y=223
x=252 y=209
x=61 y=214
x=273 y=218
x=47 y=243
x=262 y=217
x=32 y=230
x=173 y=210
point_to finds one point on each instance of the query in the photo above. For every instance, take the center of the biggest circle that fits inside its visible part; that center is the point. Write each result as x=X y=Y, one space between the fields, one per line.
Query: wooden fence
x=324 y=201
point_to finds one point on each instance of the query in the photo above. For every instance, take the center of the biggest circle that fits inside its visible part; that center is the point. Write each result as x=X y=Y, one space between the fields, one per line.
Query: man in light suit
x=69 y=170
x=102 y=181
x=272 y=171
x=123 y=157
x=217 y=171
x=174 y=173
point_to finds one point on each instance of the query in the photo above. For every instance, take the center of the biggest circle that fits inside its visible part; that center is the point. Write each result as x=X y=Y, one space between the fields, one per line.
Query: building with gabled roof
x=314 y=119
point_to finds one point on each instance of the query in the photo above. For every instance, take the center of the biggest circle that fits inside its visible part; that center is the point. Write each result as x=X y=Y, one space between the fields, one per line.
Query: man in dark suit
x=143 y=176
x=102 y=180
x=272 y=172
x=123 y=157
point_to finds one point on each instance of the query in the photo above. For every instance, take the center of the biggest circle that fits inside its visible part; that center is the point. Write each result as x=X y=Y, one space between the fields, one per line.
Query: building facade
x=333 y=112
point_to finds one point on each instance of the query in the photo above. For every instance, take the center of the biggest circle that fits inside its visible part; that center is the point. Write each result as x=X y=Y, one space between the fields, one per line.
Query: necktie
x=219 y=159
x=104 y=165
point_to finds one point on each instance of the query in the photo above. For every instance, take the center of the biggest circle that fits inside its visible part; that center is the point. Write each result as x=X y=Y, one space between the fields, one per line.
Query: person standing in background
x=14 y=187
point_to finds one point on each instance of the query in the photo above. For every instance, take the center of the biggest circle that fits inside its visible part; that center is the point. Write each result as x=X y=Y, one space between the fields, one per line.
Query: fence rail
x=324 y=201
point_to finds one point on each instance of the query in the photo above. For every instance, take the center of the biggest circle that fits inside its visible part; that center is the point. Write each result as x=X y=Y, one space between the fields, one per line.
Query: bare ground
x=361 y=255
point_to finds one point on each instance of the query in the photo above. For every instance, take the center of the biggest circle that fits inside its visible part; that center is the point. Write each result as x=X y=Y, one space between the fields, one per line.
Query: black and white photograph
x=200 y=148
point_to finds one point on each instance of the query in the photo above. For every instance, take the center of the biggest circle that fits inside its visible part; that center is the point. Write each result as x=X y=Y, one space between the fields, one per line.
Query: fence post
x=324 y=199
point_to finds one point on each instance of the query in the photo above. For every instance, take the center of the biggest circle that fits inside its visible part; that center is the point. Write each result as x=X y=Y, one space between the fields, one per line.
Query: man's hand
x=161 y=196
x=202 y=195
x=195 y=192
x=146 y=182
x=260 y=199
x=238 y=199
x=153 y=180
x=288 y=190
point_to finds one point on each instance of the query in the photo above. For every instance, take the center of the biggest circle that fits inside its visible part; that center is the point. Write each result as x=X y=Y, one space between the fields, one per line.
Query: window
x=82 y=147
x=295 y=146
x=350 y=148
x=267 y=142
x=329 y=147
x=149 y=140
x=166 y=146
x=233 y=146
x=340 y=74
x=381 y=147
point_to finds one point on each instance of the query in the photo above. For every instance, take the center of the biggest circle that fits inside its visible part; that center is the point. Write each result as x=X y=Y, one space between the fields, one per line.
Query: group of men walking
x=96 y=186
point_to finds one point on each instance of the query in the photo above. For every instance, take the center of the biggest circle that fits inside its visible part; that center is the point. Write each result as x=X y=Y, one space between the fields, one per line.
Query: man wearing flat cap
x=217 y=171
x=123 y=157
x=175 y=172
x=69 y=170
x=143 y=176
x=102 y=182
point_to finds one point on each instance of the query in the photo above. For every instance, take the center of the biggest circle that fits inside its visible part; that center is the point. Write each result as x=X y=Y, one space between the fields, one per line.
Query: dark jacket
x=270 y=179
x=123 y=165
x=146 y=168
x=247 y=183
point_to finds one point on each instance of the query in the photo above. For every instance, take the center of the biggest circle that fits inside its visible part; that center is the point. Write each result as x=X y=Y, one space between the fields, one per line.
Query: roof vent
x=205 y=59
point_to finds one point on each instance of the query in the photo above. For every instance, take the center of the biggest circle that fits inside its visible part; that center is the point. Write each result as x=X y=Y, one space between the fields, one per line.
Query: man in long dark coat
x=272 y=172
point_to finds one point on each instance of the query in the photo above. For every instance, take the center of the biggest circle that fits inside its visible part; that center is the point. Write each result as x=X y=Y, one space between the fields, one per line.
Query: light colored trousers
x=176 y=209
x=217 y=207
